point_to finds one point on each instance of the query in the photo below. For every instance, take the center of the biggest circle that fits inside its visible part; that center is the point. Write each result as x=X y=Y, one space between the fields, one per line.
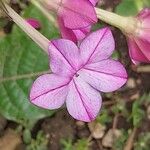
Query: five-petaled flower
x=78 y=74
x=75 y=17
x=139 y=40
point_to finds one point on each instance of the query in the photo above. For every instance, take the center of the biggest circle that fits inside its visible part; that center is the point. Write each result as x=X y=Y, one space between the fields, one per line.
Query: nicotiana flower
x=74 y=17
x=139 y=41
x=78 y=74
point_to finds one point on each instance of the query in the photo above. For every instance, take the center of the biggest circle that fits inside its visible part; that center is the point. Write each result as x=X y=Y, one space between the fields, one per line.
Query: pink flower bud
x=34 y=23
x=139 y=40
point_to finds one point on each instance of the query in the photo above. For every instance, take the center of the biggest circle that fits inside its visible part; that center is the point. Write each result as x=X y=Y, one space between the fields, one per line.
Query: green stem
x=126 y=24
x=23 y=76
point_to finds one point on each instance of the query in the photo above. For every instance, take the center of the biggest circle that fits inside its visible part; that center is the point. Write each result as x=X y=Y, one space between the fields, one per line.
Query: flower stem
x=23 y=76
x=36 y=36
x=126 y=24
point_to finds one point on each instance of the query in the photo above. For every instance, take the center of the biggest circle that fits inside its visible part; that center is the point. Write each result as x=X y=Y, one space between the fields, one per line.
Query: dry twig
x=130 y=141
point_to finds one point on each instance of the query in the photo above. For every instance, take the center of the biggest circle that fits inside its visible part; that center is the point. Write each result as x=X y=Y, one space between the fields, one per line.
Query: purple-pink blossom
x=75 y=17
x=139 y=42
x=79 y=74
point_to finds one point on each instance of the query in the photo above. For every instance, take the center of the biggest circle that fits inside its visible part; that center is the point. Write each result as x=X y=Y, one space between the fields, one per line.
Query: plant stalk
x=125 y=24
x=36 y=36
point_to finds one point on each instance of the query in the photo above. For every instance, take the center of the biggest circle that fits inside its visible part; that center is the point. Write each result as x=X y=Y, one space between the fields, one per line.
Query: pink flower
x=139 y=42
x=94 y=2
x=75 y=17
x=34 y=23
x=78 y=74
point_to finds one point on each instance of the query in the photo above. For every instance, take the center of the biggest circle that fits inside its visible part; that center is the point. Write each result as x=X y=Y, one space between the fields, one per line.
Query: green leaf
x=19 y=55
x=137 y=113
x=143 y=142
x=40 y=143
x=82 y=144
x=119 y=142
x=67 y=144
x=104 y=117
x=115 y=55
x=27 y=137
x=131 y=7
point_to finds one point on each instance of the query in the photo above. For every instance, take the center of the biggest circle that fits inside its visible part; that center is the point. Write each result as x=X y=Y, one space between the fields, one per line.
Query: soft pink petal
x=144 y=46
x=97 y=46
x=106 y=76
x=139 y=43
x=94 y=2
x=66 y=33
x=144 y=34
x=64 y=57
x=81 y=33
x=144 y=13
x=77 y=14
x=34 y=23
x=144 y=16
x=73 y=35
x=83 y=102
x=144 y=31
x=49 y=91
x=136 y=52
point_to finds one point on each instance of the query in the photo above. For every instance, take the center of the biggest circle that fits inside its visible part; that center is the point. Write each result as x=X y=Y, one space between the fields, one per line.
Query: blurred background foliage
x=131 y=7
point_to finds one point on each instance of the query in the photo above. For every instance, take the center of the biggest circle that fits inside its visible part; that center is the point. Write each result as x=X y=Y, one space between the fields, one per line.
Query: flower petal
x=77 y=14
x=83 y=102
x=64 y=57
x=81 y=33
x=94 y=2
x=144 y=35
x=49 y=91
x=97 y=46
x=144 y=46
x=144 y=16
x=106 y=76
x=73 y=35
x=135 y=52
x=66 y=32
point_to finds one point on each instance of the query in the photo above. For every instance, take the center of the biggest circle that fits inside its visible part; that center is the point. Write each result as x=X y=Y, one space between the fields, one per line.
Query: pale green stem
x=143 y=69
x=44 y=11
x=23 y=76
x=36 y=36
x=126 y=24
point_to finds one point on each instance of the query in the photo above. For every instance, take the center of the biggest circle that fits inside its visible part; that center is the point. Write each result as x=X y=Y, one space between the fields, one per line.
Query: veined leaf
x=19 y=55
